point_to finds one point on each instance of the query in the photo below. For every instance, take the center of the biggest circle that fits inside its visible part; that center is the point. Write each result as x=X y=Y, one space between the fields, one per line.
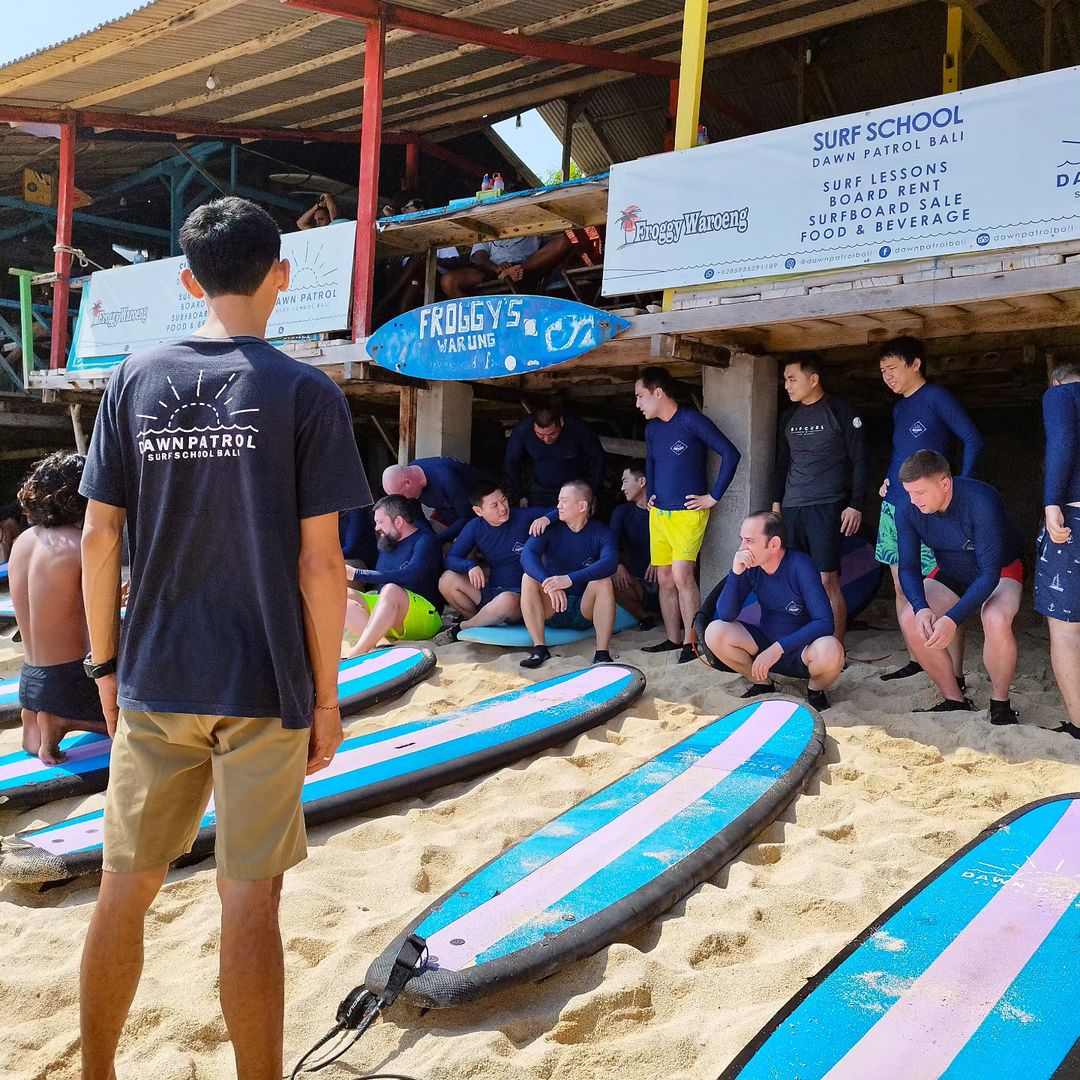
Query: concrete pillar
x=741 y=401
x=444 y=421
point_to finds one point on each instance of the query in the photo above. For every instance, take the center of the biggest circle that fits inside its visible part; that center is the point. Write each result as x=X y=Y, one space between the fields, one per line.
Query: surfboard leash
x=361 y=1008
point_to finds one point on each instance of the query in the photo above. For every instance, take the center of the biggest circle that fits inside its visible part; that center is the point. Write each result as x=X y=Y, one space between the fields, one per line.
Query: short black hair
x=480 y=491
x=547 y=416
x=656 y=378
x=49 y=495
x=906 y=348
x=922 y=465
x=397 y=506
x=809 y=362
x=772 y=524
x=230 y=245
x=585 y=491
x=636 y=467
x=1065 y=372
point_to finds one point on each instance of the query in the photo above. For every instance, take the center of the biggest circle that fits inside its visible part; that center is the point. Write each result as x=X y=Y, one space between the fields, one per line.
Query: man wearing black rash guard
x=795 y=637
x=977 y=550
x=822 y=470
x=1057 y=569
x=677 y=441
x=568 y=576
x=488 y=596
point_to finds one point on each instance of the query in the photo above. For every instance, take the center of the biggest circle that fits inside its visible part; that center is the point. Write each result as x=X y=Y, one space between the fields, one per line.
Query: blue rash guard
x=675 y=456
x=575 y=455
x=972 y=539
x=1061 y=415
x=795 y=609
x=630 y=524
x=589 y=555
x=448 y=492
x=414 y=563
x=928 y=420
x=501 y=547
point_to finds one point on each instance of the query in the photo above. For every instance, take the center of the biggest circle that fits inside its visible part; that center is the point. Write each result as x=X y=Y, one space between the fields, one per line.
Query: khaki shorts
x=162 y=770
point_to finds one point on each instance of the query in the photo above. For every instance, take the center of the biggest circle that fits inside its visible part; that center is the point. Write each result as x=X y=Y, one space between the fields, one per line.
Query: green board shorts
x=887 y=551
x=422 y=621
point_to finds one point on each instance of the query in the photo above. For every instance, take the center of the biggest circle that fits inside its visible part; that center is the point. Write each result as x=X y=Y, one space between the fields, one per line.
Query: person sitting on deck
x=488 y=597
x=45 y=572
x=977 y=549
x=403 y=601
x=441 y=483
x=795 y=637
x=518 y=260
x=568 y=576
x=635 y=580
x=324 y=212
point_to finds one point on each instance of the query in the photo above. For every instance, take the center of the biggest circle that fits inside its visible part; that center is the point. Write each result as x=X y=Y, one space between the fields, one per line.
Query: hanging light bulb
x=211 y=82
x=517 y=121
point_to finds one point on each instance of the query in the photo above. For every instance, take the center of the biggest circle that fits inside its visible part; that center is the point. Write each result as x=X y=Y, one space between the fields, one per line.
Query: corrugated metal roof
x=77 y=37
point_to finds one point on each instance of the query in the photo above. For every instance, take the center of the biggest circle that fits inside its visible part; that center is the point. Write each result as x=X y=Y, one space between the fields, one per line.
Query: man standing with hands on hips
x=227 y=460
x=677 y=440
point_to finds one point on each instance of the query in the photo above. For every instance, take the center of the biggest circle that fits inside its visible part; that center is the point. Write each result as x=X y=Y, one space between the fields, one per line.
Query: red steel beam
x=458 y=30
x=368 y=195
x=65 y=199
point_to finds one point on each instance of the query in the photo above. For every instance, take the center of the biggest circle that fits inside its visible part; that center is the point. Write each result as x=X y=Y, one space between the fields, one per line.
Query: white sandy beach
x=892 y=797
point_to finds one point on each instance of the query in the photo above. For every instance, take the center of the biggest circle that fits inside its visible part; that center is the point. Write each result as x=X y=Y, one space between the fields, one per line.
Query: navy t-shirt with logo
x=216 y=449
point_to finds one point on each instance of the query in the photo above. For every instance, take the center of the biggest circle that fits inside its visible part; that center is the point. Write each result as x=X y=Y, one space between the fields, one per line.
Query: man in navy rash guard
x=559 y=448
x=927 y=417
x=401 y=599
x=822 y=469
x=795 y=637
x=635 y=579
x=977 y=550
x=568 y=576
x=1057 y=569
x=441 y=483
x=489 y=595
x=677 y=441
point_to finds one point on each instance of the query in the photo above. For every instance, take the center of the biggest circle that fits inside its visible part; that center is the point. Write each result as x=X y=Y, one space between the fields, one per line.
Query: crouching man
x=795 y=637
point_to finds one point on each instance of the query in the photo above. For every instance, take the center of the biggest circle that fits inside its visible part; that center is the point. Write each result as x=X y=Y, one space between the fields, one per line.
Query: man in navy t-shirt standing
x=677 y=441
x=795 y=636
x=229 y=462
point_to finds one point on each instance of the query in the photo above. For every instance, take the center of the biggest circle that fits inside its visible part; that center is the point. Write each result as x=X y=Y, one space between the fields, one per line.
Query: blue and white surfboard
x=973 y=974
x=486 y=337
x=7 y=606
x=9 y=701
x=362 y=683
x=614 y=861
x=379 y=768
x=515 y=636
x=3 y=572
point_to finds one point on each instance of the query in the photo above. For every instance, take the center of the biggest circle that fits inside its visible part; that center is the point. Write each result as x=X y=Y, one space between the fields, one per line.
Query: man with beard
x=403 y=602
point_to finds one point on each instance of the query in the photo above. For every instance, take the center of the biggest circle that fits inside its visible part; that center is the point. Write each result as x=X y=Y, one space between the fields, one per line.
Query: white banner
x=132 y=307
x=983 y=169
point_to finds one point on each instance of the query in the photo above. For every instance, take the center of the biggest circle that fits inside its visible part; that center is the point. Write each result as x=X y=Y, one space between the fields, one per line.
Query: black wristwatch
x=98 y=671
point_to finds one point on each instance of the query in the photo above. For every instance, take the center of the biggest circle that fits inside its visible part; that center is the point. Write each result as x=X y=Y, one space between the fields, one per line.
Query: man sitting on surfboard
x=489 y=596
x=402 y=599
x=568 y=576
x=795 y=636
x=46 y=588
x=977 y=548
x=440 y=483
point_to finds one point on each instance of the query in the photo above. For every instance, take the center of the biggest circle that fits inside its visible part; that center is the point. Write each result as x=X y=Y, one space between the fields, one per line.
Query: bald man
x=443 y=484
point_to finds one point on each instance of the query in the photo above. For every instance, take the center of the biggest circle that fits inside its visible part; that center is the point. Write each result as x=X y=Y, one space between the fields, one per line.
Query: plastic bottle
x=497 y=183
x=702 y=135
x=486 y=185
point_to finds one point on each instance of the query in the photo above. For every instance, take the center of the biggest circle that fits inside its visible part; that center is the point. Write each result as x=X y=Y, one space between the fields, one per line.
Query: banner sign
x=132 y=307
x=984 y=169
x=491 y=336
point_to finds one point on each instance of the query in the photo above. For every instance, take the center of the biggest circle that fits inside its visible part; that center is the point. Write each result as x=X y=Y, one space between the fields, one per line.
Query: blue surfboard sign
x=490 y=337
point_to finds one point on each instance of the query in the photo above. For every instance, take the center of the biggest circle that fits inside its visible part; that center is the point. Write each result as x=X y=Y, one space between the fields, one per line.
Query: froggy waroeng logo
x=204 y=426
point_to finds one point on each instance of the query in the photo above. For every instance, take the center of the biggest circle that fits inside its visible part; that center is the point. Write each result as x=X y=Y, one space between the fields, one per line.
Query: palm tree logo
x=628 y=220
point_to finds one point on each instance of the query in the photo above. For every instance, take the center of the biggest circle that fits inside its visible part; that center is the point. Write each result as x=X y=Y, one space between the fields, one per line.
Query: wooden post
x=368 y=195
x=954 y=48
x=431 y=274
x=62 y=258
x=800 y=78
x=77 y=428
x=406 y=424
x=1048 y=34
x=412 y=164
x=571 y=106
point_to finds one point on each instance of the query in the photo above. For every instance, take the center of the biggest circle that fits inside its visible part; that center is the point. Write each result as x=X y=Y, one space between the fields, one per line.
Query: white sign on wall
x=132 y=307
x=983 y=169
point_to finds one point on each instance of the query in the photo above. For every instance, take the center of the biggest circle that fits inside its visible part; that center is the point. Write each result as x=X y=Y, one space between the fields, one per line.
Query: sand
x=893 y=795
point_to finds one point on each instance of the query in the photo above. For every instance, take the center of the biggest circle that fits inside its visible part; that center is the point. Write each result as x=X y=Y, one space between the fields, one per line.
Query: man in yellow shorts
x=677 y=440
x=400 y=601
